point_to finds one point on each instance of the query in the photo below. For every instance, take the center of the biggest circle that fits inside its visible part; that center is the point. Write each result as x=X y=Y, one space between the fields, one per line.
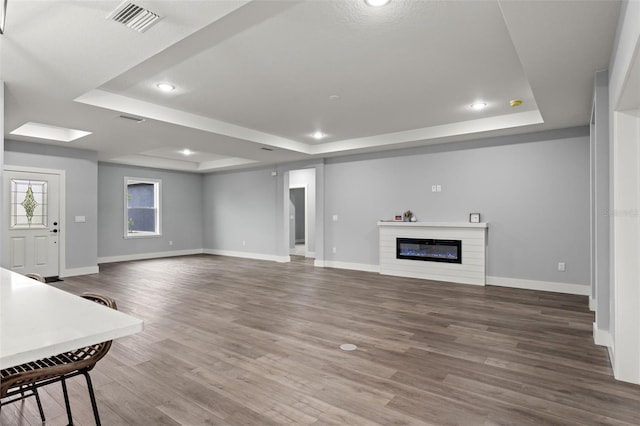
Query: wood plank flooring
x=232 y=341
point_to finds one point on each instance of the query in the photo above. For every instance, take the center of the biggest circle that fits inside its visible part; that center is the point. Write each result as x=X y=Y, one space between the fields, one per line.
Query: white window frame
x=157 y=183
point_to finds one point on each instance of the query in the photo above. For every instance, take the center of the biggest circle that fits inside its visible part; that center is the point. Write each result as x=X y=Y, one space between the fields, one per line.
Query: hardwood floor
x=241 y=342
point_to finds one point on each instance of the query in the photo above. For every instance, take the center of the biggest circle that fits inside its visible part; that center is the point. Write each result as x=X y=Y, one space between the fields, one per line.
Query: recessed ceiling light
x=334 y=97
x=165 y=87
x=317 y=135
x=478 y=105
x=377 y=3
x=186 y=152
x=45 y=131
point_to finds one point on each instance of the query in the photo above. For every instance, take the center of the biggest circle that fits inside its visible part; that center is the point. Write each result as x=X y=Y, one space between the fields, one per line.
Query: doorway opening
x=298 y=221
x=302 y=212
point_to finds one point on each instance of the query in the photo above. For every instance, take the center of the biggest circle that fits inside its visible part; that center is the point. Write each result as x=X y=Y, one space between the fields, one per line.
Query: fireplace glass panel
x=431 y=250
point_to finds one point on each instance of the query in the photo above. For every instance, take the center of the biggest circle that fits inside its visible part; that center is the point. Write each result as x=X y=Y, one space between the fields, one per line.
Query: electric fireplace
x=430 y=250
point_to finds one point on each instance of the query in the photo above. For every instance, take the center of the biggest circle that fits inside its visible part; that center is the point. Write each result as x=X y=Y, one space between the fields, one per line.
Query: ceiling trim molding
x=435 y=133
x=112 y=101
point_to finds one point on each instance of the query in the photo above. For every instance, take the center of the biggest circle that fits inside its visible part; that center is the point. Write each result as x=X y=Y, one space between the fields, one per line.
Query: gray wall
x=533 y=192
x=600 y=201
x=81 y=177
x=241 y=206
x=1 y=151
x=532 y=189
x=181 y=214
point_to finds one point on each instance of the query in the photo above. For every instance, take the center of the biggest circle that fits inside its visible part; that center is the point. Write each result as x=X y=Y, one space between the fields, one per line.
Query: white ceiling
x=262 y=74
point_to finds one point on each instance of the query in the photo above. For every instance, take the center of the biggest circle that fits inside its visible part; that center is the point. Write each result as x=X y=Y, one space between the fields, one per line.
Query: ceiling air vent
x=133 y=16
x=266 y=149
x=132 y=118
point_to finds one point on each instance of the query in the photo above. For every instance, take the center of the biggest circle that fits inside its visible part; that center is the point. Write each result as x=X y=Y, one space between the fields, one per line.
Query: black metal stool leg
x=66 y=401
x=35 y=392
x=94 y=405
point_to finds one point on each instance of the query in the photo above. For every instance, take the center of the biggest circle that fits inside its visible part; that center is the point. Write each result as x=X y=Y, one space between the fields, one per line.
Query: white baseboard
x=582 y=290
x=247 y=255
x=604 y=338
x=347 y=265
x=612 y=359
x=310 y=254
x=601 y=337
x=142 y=256
x=72 y=272
x=592 y=304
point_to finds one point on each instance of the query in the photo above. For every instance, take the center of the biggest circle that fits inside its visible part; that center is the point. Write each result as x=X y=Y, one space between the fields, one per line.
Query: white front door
x=32 y=209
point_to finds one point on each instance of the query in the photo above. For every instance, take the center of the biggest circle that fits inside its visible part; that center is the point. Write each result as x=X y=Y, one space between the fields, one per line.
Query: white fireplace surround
x=472 y=270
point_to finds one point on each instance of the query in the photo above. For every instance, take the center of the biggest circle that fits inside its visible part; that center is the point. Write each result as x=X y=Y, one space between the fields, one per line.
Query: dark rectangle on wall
x=429 y=250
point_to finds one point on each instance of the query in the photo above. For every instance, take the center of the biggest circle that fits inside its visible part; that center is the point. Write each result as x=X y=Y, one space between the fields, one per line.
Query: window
x=142 y=207
x=28 y=204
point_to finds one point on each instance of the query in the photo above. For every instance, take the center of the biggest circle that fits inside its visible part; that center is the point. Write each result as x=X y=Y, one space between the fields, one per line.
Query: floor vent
x=133 y=16
x=348 y=347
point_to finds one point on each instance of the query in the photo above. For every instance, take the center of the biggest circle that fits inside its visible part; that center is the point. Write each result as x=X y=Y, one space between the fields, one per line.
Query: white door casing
x=31 y=243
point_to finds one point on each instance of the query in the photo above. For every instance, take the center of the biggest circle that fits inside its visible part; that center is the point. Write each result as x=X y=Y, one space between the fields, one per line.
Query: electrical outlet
x=335 y=217
x=562 y=267
x=170 y=243
x=334 y=250
x=438 y=188
x=244 y=243
x=433 y=188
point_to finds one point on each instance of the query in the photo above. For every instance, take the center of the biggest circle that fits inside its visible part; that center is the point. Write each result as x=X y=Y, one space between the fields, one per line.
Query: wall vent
x=132 y=118
x=133 y=16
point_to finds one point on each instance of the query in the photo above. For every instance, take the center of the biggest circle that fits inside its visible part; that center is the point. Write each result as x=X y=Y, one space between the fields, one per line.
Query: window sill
x=141 y=234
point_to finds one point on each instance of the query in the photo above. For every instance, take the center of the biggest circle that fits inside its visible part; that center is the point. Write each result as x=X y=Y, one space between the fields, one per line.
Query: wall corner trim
x=592 y=304
x=602 y=337
x=556 y=287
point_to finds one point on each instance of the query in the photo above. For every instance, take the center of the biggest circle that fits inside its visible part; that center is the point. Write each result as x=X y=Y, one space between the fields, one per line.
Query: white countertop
x=435 y=224
x=38 y=320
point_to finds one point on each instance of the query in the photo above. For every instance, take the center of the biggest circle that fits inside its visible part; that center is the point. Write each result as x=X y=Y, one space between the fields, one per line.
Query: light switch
x=80 y=219
x=438 y=188
x=433 y=188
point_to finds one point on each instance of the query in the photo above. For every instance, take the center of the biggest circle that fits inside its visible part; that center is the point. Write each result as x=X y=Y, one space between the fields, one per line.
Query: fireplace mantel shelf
x=434 y=224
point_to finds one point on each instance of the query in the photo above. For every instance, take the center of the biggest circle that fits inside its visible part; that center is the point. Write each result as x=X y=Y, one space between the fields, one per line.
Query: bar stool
x=22 y=381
